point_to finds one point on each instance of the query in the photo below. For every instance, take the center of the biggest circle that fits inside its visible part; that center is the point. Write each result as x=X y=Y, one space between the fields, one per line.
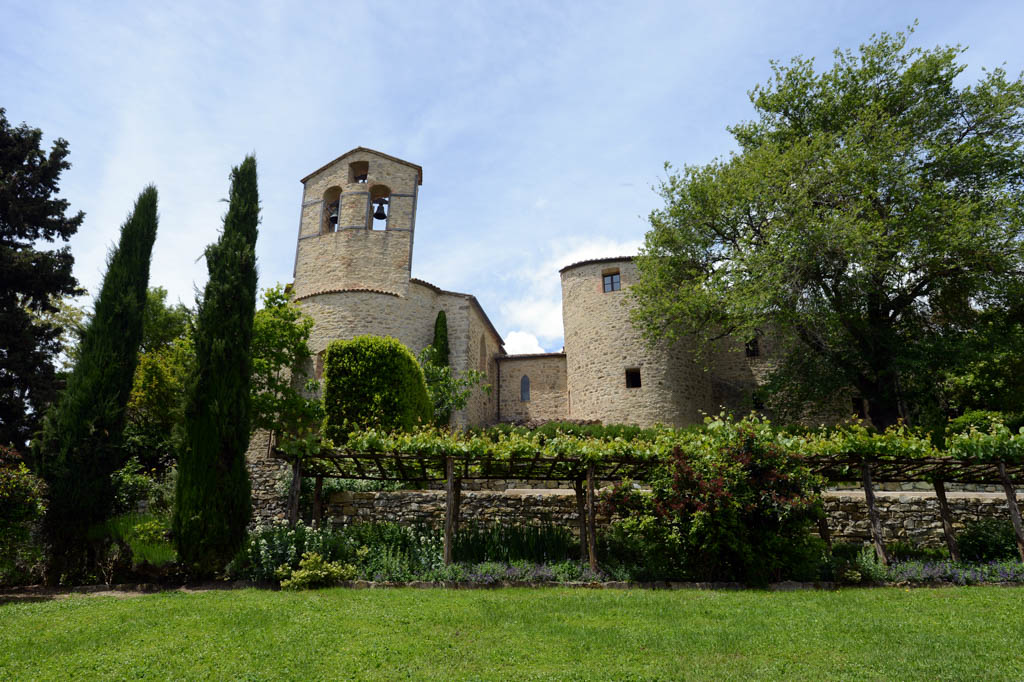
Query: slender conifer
x=213 y=503
x=441 y=352
x=80 y=443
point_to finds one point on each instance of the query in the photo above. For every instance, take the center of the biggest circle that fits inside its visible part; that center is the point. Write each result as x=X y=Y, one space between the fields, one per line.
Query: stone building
x=352 y=275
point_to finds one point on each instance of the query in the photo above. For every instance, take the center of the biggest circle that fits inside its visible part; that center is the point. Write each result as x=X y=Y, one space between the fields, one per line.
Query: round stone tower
x=612 y=375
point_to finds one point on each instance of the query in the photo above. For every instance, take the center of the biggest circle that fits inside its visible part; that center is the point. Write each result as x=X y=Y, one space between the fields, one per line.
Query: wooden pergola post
x=318 y=500
x=449 y=509
x=581 y=511
x=591 y=532
x=876 y=524
x=947 y=519
x=1011 y=502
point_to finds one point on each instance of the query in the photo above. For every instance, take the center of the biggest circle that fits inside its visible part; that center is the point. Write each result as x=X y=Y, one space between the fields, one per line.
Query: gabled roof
x=419 y=170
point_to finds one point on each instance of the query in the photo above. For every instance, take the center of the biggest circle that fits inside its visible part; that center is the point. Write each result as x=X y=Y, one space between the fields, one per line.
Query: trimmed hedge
x=372 y=382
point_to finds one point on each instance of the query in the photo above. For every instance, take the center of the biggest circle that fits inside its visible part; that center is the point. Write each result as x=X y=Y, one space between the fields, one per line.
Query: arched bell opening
x=331 y=210
x=380 y=199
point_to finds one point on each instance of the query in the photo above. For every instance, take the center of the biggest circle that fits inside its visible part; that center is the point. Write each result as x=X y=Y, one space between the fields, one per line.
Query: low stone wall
x=908 y=516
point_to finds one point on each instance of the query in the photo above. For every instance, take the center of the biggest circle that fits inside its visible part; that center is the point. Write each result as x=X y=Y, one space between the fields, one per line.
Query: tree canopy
x=871 y=216
x=32 y=280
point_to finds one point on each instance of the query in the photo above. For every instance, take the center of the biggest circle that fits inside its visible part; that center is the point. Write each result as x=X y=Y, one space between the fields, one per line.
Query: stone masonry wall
x=548 y=387
x=601 y=343
x=479 y=345
x=905 y=516
x=267 y=477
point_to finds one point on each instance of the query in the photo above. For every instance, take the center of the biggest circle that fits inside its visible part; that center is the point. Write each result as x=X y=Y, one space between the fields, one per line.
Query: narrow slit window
x=612 y=282
x=524 y=389
x=633 y=377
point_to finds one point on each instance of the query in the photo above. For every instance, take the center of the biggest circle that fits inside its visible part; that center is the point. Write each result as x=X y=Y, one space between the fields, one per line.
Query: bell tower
x=357 y=223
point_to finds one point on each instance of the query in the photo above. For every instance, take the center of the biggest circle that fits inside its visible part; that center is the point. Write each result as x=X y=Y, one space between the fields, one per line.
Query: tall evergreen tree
x=213 y=504
x=441 y=351
x=31 y=279
x=80 y=445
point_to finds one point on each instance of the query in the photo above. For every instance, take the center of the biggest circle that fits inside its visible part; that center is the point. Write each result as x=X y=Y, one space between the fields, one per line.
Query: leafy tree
x=156 y=407
x=80 y=444
x=164 y=324
x=21 y=505
x=31 y=279
x=871 y=214
x=281 y=400
x=212 y=502
x=448 y=393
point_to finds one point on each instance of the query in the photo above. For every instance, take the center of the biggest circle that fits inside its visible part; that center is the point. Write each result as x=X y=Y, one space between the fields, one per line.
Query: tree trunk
x=876 y=524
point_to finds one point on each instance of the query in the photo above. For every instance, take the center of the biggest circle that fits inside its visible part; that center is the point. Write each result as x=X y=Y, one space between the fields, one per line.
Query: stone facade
x=541 y=378
x=602 y=346
x=906 y=516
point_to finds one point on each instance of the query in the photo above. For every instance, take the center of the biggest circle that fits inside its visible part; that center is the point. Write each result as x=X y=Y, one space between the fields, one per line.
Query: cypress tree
x=441 y=352
x=80 y=443
x=213 y=504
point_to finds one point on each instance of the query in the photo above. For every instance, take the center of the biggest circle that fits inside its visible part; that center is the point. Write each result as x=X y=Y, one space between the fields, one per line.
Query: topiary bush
x=372 y=382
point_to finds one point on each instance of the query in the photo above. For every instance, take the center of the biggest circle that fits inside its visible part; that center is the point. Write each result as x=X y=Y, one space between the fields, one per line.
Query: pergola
x=453 y=468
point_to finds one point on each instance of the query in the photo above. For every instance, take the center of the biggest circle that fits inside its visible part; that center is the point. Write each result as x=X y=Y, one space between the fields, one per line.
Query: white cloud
x=540 y=311
x=520 y=342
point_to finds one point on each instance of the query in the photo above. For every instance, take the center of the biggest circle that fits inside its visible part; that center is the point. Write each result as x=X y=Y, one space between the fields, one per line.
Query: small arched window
x=524 y=389
x=482 y=361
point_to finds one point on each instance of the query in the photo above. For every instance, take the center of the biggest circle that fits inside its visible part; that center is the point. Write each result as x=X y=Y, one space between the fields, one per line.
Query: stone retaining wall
x=908 y=516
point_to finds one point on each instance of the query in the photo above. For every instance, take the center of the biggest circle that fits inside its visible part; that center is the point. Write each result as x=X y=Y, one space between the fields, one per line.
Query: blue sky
x=541 y=126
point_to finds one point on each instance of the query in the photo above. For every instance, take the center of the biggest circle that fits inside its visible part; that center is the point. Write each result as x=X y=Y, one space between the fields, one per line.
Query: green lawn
x=955 y=633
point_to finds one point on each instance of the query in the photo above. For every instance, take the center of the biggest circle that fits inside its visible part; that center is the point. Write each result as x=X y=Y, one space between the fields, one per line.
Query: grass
x=950 y=633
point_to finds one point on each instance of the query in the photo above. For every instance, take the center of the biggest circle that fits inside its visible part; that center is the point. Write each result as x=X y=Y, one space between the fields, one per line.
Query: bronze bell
x=379 y=214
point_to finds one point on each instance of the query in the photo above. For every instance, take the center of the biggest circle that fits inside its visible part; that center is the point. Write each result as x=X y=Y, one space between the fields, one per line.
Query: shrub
x=907 y=551
x=735 y=506
x=21 y=507
x=987 y=540
x=145 y=537
x=268 y=548
x=314 y=571
x=372 y=382
x=501 y=542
